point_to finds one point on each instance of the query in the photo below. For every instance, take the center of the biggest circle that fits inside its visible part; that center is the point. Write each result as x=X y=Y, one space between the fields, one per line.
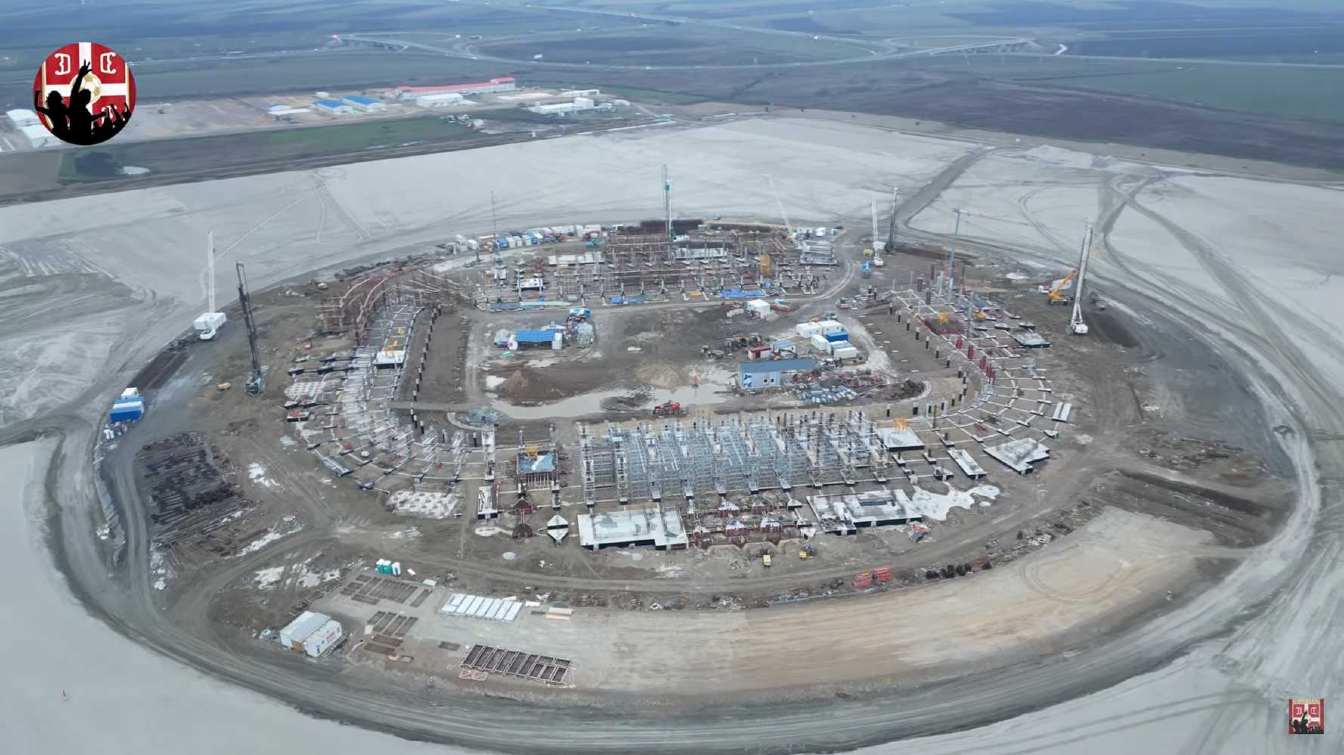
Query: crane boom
x=256 y=382
x=890 y=246
x=1076 y=323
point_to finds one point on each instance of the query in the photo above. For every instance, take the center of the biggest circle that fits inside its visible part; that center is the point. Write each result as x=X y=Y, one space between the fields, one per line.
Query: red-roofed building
x=498 y=84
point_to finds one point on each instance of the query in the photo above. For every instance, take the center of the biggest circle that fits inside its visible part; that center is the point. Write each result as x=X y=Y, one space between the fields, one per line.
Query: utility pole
x=494 y=227
x=210 y=271
x=890 y=246
x=952 y=253
x=256 y=382
x=874 y=207
x=667 y=210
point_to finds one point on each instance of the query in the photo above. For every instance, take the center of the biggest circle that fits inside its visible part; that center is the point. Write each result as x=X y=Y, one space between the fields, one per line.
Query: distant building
x=284 y=111
x=753 y=376
x=497 y=84
x=560 y=108
x=332 y=106
x=442 y=99
x=311 y=633
x=38 y=136
x=364 y=104
x=21 y=117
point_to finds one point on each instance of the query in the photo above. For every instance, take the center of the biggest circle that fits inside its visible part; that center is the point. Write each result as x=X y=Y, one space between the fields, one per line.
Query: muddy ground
x=1135 y=446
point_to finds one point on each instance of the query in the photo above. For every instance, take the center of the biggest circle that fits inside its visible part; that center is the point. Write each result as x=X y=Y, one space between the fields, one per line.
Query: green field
x=1312 y=93
x=1286 y=91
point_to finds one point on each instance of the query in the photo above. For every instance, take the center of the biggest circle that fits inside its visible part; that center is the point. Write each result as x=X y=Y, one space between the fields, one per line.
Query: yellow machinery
x=1056 y=293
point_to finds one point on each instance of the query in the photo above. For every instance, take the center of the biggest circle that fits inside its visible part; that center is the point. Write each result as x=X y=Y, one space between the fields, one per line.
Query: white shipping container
x=323 y=639
x=298 y=630
x=807 y=329
x=208 y=324
x=821 y=345
x=842 y=350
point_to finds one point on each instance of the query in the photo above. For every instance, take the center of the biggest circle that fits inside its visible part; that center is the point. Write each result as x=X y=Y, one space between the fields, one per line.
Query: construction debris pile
x=193 y=489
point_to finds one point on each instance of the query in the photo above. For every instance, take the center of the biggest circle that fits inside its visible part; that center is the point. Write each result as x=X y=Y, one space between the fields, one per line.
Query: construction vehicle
x=256 y=381
x=669 y=409
x=1055 y=292
x=807 y=551
x=1076 y=324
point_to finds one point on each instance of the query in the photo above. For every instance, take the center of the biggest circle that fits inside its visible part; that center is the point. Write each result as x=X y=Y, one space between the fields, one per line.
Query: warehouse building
x=441 y=99
x=312 y=634
x=21 y=117
x=561 y=108
x=497 y=84
x=284 y=111
x=364 y=104
x=759 y=375
x=38 y=136
x=334 y=107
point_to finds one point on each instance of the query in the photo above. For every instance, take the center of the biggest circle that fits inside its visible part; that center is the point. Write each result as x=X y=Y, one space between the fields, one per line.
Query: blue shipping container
x=126 y=411
x=838 y=335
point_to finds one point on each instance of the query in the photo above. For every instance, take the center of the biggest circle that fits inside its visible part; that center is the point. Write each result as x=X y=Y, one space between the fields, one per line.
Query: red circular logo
x=84 y=93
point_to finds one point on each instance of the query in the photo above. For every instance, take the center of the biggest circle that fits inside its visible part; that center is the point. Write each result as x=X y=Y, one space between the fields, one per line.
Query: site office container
x=322 y=640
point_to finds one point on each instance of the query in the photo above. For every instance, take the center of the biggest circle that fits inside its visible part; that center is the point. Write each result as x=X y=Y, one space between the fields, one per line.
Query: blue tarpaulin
x=534 y=336
x=737 y=293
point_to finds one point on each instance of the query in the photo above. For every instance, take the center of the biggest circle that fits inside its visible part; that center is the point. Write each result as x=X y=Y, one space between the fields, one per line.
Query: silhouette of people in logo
x=74 y=122
x=55 y=112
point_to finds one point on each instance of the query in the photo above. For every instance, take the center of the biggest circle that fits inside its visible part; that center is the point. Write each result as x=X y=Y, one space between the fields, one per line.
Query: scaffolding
x=352 y=309
x=640 y=264
x=755 y=454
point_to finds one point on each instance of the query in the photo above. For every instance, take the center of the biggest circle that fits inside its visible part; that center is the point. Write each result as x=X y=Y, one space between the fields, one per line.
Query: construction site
x=540 y=428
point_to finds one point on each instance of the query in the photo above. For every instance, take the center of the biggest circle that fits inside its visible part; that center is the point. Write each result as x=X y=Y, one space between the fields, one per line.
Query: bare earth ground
x=1117 y=566
x=1227 y=690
